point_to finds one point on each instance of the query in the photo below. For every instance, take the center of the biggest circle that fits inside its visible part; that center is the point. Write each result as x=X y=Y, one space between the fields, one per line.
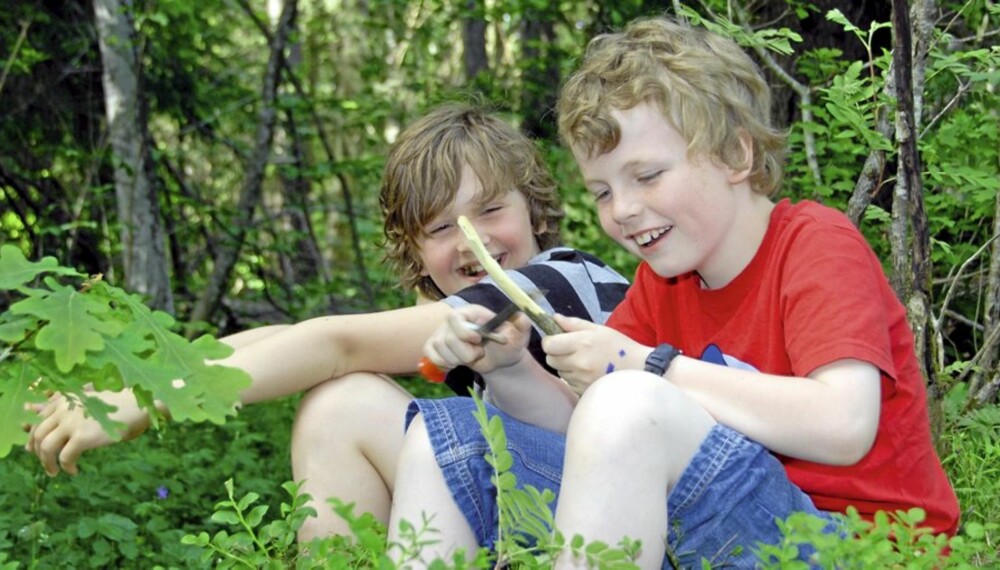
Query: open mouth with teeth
x=474 y=269
x=647 y=239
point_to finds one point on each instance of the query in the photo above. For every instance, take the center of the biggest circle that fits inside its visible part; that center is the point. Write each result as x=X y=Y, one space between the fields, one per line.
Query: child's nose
x=481 y=231
x=623 y=208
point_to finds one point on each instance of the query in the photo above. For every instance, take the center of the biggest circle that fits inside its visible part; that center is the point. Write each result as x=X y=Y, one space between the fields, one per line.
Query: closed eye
x=601 y=195
x=438 y=229
x=650 y=177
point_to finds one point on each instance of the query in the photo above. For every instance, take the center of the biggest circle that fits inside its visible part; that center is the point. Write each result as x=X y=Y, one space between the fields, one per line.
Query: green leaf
x=838 y=17
x=256 y=515
x=74 y=323
x=247 y=500
x=15 y=330
x=116 y=527
x=86 y=527
x=16 y=270
x=506 y=481
x=225 y=517
x=15 y=392
x=504 y=461
x=205 y=391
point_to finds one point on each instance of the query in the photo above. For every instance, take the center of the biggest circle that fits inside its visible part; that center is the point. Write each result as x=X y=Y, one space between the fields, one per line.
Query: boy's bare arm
x=310 y=352
x=829 y=417
x=281 y=360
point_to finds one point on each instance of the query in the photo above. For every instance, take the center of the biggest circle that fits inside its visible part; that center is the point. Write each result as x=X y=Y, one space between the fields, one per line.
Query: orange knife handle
x=430 y=371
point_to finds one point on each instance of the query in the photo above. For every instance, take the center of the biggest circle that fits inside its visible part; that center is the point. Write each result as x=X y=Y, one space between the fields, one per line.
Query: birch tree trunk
x=143 y=248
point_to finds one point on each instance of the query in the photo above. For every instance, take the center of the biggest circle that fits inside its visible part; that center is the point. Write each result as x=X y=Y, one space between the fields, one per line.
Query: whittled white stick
x=505 y=283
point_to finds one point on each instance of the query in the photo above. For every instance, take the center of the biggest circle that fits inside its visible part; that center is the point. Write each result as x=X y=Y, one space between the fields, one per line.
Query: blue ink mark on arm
x=621 y=353
x=610 y=368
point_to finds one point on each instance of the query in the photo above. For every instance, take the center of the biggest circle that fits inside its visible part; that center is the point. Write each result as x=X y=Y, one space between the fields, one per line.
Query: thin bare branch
x=253 y=179
x=944 y=111
x=13 y=54
x=961 y=270
x=805 y=100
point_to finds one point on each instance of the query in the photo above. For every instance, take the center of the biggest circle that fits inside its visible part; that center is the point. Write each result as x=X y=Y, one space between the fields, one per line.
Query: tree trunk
x=474 y=41
x=143 y=250
x=986 y=381
x=910 y=236
x=228 y=253
x=541 y=75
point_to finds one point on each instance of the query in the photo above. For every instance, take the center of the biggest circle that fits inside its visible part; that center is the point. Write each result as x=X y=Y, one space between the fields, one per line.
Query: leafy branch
x=92 y=336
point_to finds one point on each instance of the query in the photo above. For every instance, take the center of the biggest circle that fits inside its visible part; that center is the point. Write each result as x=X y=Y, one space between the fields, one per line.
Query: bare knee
x=347 y=404
x=629 y=406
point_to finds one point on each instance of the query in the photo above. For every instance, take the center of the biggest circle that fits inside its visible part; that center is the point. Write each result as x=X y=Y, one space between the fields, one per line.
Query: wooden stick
x=505 y=283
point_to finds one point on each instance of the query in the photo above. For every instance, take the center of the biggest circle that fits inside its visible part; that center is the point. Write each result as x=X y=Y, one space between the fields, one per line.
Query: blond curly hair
x=705 y=85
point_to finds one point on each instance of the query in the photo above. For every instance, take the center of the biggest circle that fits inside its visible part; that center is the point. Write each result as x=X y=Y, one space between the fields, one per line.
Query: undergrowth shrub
x=527 y=540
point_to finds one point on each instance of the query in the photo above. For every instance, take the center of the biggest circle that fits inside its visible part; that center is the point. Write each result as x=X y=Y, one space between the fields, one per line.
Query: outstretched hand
x=587 y=351
x=455 y=343
x=65 y=432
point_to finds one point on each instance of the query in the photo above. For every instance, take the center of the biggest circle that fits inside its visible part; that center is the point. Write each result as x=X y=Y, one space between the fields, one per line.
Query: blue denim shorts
x=726 y=501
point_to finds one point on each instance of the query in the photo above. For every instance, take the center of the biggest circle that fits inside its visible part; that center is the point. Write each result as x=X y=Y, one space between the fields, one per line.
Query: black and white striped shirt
x=576 y=284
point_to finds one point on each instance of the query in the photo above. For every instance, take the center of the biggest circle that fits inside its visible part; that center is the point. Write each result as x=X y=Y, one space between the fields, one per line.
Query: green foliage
x=132 y=503
x=525 y=535
x=889 y=541
x=971 y=456
x=365 y=73
x=777 y=40
x=59 y=338
x=255 y=544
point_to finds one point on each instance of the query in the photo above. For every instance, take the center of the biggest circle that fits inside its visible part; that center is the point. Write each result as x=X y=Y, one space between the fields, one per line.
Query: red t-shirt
x=814 y=293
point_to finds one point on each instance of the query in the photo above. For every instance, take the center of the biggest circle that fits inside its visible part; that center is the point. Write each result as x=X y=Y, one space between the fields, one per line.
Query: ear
x=543 y=226
x=742 y=174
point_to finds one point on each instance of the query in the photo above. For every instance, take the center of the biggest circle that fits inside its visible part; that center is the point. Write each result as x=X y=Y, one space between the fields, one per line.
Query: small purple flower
x=162 y=492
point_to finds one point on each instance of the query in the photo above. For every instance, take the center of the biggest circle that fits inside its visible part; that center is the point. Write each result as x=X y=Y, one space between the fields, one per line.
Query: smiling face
x=504 y=225
x=679 y=213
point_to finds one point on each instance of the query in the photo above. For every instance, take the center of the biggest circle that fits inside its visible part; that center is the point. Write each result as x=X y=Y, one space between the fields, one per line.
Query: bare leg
x=420 y=485
x=346 y=440
x=629 y=440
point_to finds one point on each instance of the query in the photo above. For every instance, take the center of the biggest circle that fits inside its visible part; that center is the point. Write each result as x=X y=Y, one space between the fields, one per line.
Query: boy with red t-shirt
x=819 y=403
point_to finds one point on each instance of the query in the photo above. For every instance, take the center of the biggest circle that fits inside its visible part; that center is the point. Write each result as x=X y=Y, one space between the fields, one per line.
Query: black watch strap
x=659 y=360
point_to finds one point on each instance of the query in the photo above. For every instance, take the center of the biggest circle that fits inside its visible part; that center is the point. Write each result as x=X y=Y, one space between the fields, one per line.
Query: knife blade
x=486 y=329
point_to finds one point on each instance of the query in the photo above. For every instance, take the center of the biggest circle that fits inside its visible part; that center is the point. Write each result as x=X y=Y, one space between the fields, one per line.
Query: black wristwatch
x=659 y=360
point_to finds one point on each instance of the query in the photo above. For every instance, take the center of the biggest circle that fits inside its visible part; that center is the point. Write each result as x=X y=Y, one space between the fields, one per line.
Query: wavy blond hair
x=424 y=169
x=705 y=85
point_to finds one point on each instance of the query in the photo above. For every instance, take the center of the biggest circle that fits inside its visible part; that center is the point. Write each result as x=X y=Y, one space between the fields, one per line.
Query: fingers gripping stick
x=522 y=300
x=432 y=373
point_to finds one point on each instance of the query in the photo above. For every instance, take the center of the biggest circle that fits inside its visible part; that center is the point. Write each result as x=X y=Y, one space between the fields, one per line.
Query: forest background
x=222 y=159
